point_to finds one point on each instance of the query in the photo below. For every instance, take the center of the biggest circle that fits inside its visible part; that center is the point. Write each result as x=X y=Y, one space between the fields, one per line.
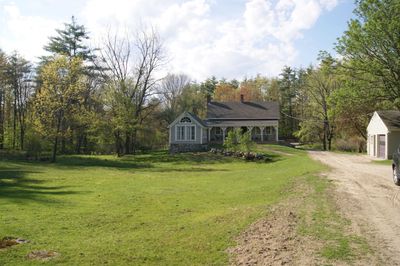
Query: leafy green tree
x=129 y=69
x=232 y=140
x=19 y=75
x=287 y=92
x=371 y=46
x=319 y=119
x=208 y=86
x=193 y=100
x=246 y=143
x=58 y=98
x=3 y=82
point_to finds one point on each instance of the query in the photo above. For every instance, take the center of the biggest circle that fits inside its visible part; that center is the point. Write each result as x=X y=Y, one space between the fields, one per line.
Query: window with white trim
x=180 y=134
x=185 y=133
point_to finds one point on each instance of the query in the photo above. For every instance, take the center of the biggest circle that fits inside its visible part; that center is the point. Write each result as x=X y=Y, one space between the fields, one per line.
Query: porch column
x=209 y=134
x=223 y=134
x=276 y=133
x=250 y=129
x=262 y=133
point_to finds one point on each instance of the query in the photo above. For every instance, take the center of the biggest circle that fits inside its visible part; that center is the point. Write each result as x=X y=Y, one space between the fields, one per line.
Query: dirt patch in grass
x=274 y=241
x=305 y=229
x=43 y=255
x=11 y=241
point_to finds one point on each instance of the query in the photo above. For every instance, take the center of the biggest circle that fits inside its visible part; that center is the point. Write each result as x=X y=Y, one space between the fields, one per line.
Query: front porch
x=259 y=134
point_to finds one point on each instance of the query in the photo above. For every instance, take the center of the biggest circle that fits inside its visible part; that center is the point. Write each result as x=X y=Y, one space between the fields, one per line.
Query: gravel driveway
x=367 y=195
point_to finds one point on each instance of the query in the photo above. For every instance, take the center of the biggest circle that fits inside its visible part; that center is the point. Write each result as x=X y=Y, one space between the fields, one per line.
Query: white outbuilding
x=383 y=134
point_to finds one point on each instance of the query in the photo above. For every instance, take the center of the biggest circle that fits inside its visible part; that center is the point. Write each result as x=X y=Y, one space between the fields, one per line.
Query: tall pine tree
x=70 y=42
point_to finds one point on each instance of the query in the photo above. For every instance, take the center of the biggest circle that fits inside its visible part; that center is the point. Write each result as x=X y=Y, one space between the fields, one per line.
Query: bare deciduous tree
x=171 y=89
x=130 y=72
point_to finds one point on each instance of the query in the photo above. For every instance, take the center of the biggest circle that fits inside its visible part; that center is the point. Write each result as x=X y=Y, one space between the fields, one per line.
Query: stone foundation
x=177 y=148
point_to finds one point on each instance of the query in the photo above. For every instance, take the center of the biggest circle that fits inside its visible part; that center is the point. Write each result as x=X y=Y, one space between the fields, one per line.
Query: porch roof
x=241 y=123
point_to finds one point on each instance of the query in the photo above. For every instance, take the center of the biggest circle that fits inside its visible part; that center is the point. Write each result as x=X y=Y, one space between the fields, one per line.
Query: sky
x=225 y=38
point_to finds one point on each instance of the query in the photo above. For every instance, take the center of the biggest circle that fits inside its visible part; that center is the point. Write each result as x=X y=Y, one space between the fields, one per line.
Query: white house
x=190 y=133
x=383 y=134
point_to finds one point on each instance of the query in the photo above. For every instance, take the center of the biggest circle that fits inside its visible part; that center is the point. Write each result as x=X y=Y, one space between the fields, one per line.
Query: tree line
x=112 y=99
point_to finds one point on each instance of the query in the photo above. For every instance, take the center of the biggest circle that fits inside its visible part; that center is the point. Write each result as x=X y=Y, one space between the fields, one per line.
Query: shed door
x=382 y=146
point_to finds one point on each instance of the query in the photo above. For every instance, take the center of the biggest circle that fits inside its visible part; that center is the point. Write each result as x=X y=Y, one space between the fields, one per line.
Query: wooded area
x=112 y=98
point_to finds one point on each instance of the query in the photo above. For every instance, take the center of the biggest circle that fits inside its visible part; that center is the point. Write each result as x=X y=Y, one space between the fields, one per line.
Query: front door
x=382 y=146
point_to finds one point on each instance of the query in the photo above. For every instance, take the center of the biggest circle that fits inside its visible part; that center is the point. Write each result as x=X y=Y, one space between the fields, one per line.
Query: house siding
x=376 y=127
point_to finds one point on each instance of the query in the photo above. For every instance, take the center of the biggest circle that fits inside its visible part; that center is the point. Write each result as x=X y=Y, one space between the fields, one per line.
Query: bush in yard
x=246 y=144
x=231 y=142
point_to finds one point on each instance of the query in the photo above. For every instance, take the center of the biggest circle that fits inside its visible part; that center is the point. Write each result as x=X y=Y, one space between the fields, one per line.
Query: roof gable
x=243 y=110
x=390 y=118
x=193 y=117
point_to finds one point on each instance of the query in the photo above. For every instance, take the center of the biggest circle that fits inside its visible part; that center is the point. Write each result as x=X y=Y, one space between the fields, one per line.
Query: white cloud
x=258 y=39
x=26 y=34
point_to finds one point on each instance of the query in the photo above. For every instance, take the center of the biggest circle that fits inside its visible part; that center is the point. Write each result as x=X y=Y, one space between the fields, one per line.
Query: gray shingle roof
x=243 y=110
x=390 y=118
x=195 y=117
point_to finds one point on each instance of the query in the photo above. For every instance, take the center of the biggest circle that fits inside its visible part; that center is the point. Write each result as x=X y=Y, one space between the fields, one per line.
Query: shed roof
x=243 y=110
x=390 y=118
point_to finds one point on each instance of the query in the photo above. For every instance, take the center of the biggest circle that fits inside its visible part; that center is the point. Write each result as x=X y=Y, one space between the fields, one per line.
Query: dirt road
x=367 y=195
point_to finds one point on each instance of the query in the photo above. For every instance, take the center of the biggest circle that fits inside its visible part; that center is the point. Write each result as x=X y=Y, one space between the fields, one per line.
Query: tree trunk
x=62 y=136
x=1 y=121
x=325 y=137
x=118 y=145
x=14 y=124
x=53 y=158
x=127 y=142
x=22 y=136
x=85 y=143
x=78 y=143
x=134 y=138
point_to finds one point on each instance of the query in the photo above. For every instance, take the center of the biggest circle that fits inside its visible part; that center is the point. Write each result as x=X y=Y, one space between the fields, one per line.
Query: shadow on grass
x=186 y=169
x=91 y=161
x=150 y=161
x=191 y=158
x=15 y=185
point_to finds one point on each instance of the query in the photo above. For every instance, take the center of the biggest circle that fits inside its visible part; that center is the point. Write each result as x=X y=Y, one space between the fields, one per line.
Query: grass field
x=145 y=209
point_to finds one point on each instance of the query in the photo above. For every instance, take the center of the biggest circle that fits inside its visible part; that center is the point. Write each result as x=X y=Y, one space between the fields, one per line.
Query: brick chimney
x=241 y=97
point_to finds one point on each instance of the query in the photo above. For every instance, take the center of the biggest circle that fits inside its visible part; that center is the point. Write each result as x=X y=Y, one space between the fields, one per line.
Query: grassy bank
x=146 y=209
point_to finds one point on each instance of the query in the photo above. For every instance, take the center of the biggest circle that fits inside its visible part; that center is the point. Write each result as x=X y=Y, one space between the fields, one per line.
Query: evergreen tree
x=69 y=42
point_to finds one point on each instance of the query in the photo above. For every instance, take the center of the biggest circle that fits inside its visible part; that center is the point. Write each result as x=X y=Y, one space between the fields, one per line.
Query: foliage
x=319 y=87
x=246 y=144
x=291 y=100
x=69 y=42
x=232 y=140
x=34 y=145
x=59 y=99
x=124 y=105
x=371 y=47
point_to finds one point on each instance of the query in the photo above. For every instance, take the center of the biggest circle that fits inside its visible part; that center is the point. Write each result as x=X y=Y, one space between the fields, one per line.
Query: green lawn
x=383 y=162
x=145 y=209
